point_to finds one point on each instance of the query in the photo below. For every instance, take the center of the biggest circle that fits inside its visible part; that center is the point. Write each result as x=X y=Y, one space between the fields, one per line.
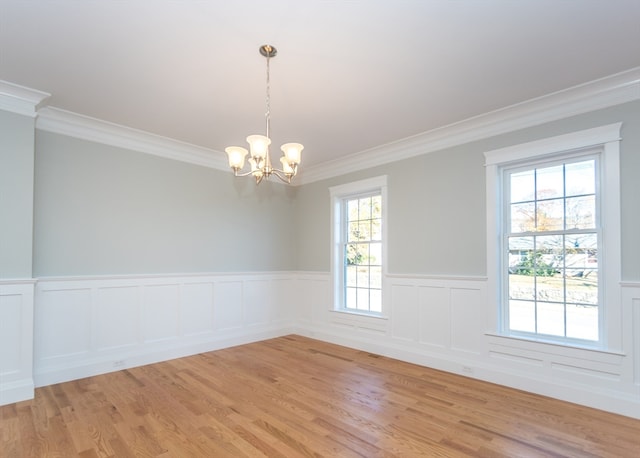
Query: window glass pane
x=376 y=207
x=363 y=277
x=363 y=253
x=350 y=254
x=520 y=249
x=376 y=277
x=364 y=229
x=549 y=254
x=550 y=215
x=581 y=212
x=582 y=322
x=550 y=318
x=365 y=208
x=521 y=286
x=376 y=229
x=352 y=209
x=351 y=299
x=522 y=186
x=375 y=301
x=363 y=299
x=582 y=286
x=523 y=217
x=550 y=289
x=375 y=254
x=580 y=178
x=549 y=182
x=353 y=234
x=522 y=316
x=351 y=278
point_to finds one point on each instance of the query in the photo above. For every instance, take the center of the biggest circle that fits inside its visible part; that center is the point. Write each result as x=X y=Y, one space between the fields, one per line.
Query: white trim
x=602 y=93
x=21 y=100
x=64 y=122
x=438 y=277
x=16 y=364
x=549 y=146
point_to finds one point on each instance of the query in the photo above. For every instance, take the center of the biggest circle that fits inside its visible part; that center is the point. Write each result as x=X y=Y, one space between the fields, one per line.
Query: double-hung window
x=553 y=238
x=358 y=242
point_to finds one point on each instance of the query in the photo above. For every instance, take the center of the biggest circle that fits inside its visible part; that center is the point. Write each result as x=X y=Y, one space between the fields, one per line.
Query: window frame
x=603 y=142
x=339 y=195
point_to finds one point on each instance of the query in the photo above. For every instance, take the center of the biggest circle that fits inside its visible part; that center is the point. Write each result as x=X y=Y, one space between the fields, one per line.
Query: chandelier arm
x=245 y=174
x=284 y=176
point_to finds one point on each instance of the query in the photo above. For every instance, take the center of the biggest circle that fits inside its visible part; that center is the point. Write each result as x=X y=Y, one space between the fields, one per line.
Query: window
x=358 y=241
x=554 y=206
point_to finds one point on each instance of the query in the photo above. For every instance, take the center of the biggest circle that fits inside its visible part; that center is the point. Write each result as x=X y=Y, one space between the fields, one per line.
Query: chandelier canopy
x=259 y=159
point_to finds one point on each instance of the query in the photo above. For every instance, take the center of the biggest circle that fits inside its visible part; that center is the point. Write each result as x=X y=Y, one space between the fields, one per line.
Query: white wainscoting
x=16 y=340
x=93 y=325
x=442 y=322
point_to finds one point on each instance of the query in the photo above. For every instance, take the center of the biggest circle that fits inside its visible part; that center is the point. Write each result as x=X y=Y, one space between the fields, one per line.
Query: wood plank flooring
x=293 y=396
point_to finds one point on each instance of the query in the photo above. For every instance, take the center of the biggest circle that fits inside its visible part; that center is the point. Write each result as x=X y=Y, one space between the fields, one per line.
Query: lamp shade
x=286 y=168
x=293 y=152
x=236 y=156
x=258 y=145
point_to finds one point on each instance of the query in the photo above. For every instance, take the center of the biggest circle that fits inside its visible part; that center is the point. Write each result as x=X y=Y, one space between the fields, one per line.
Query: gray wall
x=16 y=194
x=437 y=202
x=106 y=210
x=102 y=210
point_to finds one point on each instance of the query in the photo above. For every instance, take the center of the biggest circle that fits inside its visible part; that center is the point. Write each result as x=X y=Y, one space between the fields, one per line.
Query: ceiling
x=349 y=75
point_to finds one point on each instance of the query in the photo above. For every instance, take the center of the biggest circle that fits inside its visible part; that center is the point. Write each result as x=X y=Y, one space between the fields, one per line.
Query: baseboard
x=115 y=361
x=16 y=391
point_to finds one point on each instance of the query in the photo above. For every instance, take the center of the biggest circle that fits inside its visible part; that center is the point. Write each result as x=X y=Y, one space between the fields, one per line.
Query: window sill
x=554 y=344
x=377 y=316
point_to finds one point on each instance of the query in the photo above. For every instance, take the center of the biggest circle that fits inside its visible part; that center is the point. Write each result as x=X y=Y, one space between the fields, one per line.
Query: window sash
x=361 y=292
x=553 y=319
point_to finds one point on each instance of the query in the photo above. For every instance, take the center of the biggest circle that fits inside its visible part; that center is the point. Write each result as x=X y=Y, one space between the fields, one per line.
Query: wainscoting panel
x=467 y=317
x=161 y=313
x=435 y=320
x=89 y=326
x=16 y=340
x=198 y=308
x=228 y=312
x=405 y=324
x=117 y=318
x=62 y=322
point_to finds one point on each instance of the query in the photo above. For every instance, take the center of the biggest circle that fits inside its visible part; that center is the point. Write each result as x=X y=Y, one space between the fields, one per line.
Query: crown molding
x=21 y=100
x=602 y=93
x=606 y=92
x=64 y=122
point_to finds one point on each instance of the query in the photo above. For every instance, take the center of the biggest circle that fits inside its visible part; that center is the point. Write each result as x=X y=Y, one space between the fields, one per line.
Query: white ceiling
x=349 y=75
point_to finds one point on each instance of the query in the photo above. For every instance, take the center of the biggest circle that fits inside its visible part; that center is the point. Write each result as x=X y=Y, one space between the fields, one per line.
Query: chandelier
x=259 y=159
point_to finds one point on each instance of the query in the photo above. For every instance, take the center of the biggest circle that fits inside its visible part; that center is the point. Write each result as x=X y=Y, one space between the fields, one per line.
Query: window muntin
x=552 y=239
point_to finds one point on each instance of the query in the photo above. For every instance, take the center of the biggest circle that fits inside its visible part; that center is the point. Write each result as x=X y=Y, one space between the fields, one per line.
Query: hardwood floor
x=294 y=396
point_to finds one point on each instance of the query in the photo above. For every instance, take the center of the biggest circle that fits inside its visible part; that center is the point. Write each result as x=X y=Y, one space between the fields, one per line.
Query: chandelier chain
x=268 y=113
